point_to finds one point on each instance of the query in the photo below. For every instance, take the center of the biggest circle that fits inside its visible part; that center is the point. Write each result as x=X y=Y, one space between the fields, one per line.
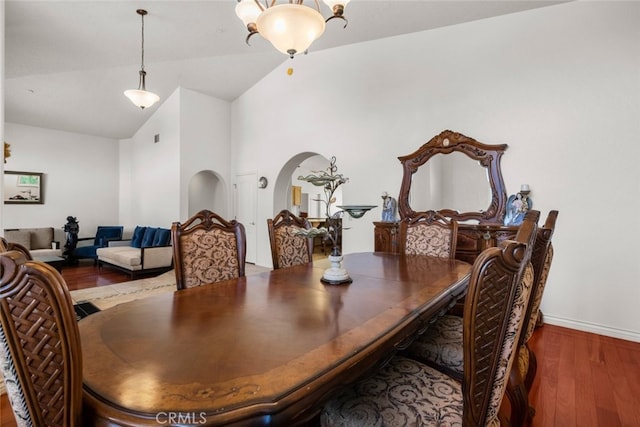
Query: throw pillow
x=149 y=234
x=138 y=235
x=19 y=236
x=162 y=238
x=41 y=237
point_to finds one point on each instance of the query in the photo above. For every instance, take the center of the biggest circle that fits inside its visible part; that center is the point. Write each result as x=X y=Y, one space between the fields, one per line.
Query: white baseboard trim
x=593 y=328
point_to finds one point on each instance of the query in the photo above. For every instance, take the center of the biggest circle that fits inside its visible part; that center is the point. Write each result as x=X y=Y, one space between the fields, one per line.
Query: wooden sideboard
x=472 y=238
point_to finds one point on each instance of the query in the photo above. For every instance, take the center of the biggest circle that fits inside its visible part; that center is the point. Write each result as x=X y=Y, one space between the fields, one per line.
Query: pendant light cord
x=142 y=50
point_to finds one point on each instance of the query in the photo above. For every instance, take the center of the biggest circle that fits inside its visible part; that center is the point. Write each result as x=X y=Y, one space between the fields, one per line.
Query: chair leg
x=531 y=370
x=518 y=399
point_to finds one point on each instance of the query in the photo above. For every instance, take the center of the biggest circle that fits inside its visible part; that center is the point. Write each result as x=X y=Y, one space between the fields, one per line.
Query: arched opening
x=312 y=203
x=207 y=191
x=301 y=165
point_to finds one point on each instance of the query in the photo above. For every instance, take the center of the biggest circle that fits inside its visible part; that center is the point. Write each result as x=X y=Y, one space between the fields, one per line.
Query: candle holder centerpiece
x=330 y=180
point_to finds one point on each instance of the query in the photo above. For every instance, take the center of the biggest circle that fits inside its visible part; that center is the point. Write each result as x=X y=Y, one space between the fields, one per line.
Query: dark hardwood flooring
x=583 y=379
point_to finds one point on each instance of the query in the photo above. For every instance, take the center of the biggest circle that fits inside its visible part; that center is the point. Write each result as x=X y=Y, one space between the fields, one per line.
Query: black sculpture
x=71 y=228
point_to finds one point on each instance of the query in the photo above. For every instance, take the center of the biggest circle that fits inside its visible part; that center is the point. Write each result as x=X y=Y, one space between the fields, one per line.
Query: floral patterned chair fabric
x=288 y=248
x=207 y=249
x=407 y=390
x=40 y=355
x=429 y=233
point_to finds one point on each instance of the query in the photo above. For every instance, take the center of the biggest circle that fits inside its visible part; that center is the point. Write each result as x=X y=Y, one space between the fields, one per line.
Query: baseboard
x=593 y=328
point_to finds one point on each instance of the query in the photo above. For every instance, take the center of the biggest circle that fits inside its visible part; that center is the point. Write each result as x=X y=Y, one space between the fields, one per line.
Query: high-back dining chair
x=408 y=392
x=429 y=233
x=287 y=247
x=525 y=367
x=40 y=355
x=207 y=249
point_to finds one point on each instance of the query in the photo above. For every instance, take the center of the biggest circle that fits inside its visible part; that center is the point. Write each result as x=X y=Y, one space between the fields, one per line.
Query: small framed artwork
x=24 y=188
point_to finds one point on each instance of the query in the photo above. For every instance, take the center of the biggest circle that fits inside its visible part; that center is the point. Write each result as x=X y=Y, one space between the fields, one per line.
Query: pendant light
x=141 y=97
x=291 y=27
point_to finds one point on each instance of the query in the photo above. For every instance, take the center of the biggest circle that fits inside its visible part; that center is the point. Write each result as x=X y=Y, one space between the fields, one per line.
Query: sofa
x=148 y=251
x=39 y=241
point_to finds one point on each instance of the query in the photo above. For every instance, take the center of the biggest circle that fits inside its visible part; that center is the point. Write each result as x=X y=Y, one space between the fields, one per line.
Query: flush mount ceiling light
x=290 y=27
x=141 y=97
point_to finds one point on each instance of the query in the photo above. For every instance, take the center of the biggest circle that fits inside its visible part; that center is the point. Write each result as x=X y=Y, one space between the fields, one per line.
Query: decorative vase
x=336 y=275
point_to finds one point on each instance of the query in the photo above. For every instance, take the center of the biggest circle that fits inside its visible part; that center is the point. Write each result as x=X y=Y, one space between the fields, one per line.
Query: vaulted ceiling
x=67 y=63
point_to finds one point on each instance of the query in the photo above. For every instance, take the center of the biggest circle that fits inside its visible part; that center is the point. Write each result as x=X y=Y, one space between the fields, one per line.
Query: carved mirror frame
x=449 y=142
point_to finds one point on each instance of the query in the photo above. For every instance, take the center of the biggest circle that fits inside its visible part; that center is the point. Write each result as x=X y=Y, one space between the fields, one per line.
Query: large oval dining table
x=266 y=349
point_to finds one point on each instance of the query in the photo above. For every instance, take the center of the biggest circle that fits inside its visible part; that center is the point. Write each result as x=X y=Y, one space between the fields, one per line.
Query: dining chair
x=40 y=353
x=525 y=367
x=207 y=249
x=408 y=392
x=441 y=346
x=429 y=233
x=287 y=247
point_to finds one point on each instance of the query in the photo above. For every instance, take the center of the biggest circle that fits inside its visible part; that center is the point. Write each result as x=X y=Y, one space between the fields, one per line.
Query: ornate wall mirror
x=456 y=176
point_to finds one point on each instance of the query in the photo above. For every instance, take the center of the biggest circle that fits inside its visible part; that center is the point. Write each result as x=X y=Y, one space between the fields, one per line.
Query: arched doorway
x=312 y=198
x=207 y=191
x=301 y=165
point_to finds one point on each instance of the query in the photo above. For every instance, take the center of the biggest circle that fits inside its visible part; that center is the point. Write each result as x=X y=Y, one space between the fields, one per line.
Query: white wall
x=558 y=84
x=80 y=178
x=154 y=177
x=204 y=145
x=194 y=136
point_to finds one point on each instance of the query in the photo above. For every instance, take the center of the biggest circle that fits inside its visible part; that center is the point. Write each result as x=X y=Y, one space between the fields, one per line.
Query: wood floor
x=583 y=379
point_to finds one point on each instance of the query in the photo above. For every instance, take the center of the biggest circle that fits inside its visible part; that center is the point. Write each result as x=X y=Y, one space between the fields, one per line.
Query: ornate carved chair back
x=287 y=248
x=429 y=233
x=525 y=367
x=494 y=311
x=207 y=249
x=40 y=351
x=6 y=246
x=541 y=261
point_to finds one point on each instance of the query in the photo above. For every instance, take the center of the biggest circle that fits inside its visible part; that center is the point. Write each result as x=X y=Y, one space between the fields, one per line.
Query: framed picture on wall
x=24 y=188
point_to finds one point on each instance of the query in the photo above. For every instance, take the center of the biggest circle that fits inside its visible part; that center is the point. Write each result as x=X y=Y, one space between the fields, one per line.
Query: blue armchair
x=104 y=234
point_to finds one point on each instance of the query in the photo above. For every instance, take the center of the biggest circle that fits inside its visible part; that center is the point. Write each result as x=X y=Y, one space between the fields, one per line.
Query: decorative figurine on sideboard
x=518 y=205
x=389 y=208
x=72 y=227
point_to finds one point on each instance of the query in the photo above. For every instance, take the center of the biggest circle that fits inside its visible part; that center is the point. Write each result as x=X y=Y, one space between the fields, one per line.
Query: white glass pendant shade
x=291 y=28
x=248 y=11
x=332 y=3
x=142 y=98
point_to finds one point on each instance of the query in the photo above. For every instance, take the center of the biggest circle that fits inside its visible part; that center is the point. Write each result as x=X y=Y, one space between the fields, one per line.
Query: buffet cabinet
x=472 y=238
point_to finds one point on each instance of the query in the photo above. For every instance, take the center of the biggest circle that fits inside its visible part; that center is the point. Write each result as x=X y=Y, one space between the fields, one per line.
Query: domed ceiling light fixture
x=141 y=97
x=290 y=27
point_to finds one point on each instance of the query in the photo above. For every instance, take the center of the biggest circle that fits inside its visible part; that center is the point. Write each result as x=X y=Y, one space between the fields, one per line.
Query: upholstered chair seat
x=403 y=393
x=441 y=346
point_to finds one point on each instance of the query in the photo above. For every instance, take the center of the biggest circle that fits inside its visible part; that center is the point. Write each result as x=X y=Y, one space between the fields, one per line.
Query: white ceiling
x=67 y=63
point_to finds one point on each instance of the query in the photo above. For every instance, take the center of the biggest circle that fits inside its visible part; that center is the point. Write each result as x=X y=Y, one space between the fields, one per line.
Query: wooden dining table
x=265 y=349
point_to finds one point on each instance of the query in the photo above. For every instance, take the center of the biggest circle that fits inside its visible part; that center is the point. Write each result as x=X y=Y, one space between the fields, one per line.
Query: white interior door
x=246 y=210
